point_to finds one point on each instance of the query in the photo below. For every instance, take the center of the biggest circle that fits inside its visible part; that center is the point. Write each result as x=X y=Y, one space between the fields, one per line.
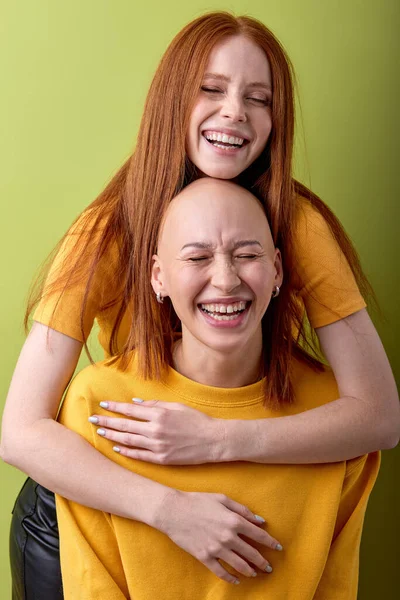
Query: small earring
x=160 y=299
x=276 y=291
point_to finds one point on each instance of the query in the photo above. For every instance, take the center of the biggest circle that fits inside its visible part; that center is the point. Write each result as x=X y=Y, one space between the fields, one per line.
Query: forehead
x=239 y=56
x=218 y=214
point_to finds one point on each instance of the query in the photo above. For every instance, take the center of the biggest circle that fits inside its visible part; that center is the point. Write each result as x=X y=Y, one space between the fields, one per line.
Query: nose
x=233 y=109
x=225 y=276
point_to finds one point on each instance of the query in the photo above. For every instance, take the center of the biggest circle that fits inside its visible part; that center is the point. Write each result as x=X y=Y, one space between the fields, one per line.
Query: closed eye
x=211 y=90
x=263 y=101
x=247 y=256
x=197 y=258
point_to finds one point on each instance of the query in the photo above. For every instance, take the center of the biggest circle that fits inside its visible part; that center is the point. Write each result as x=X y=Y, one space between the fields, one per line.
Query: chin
x=221 y=172
x=223 y=346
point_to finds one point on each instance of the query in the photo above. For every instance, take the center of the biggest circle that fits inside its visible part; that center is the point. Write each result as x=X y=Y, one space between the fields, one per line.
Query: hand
x=210 y=526
x=166 y=433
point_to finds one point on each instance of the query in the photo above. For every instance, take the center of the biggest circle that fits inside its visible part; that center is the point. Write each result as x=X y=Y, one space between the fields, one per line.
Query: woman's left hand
x=166 y=433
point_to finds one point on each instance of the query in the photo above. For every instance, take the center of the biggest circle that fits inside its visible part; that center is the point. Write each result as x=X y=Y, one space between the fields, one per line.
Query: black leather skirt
x=34 y=545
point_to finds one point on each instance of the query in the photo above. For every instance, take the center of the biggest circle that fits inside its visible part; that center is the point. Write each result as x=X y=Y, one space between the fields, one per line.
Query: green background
x=74 y=76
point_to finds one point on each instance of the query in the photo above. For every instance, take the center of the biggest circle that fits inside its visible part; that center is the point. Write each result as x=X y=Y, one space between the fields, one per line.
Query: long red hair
x=129 y=211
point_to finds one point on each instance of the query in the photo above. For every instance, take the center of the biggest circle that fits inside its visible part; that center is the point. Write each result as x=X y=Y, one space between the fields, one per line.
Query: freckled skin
x=233 y=103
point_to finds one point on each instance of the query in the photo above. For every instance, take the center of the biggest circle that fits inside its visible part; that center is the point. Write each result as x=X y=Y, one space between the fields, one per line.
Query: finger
x=135 y=411
x=252 y=555
x=258 y=535
x=238 y=563
x=143 y=455
x=216 y=567
x=157 y=404
x=126 y=439
x=246 y=526
x=123 y=425
x=242 y=510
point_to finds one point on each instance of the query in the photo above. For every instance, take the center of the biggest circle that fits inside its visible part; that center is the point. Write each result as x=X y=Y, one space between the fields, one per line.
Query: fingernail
x=279 y=547
x=254 y=574
x=101 y=431
x=260 y=519
x=137 y=400
x=268 y=569
x=236 y=582
x=116 y=449
x=104 y=404
x=94 y=420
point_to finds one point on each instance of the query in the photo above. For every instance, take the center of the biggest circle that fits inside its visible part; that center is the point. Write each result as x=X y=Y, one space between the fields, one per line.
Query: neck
x=216 y=368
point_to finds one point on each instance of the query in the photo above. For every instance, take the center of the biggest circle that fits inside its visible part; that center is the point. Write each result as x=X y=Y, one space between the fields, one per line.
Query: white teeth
x=224 y=308
x=223 y=317
x=215 y=136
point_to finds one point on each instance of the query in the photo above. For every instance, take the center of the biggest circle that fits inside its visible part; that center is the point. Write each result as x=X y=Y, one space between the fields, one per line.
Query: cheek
x=201 y=111
x=184 y=286
x=263 y=127
x=260 y=278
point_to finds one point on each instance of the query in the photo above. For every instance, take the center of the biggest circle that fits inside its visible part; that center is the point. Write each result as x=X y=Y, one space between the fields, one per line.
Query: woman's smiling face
x=217 y=263
x=231 y=121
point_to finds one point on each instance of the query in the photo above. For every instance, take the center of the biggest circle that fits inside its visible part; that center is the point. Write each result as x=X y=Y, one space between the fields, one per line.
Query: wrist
x=242 y=441
x=164 y=506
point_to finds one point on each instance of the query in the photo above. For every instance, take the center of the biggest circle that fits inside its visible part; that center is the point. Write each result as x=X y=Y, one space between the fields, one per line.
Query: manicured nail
x=260 y=519
x=104 y=404
x=101 y=432
x=116 y=449
x=137 y=400
x=279 y=547
x=94 y=420
x=268 y=569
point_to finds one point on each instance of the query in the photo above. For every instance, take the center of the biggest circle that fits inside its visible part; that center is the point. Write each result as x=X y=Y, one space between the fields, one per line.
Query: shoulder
x=102 y=377
x=309 y=222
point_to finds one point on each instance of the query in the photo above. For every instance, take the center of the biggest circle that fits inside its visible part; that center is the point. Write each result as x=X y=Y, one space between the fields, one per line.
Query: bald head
x=215 y=248
x=214 y=208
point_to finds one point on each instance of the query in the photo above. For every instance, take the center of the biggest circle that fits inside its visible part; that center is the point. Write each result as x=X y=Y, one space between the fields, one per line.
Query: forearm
x=339 y=430
x=64 y=462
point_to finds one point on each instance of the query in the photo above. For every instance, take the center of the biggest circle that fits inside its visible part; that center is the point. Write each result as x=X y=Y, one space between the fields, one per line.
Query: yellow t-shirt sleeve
x=89 y=554
x=61 y=309
x=324 y=279
x=340 y=577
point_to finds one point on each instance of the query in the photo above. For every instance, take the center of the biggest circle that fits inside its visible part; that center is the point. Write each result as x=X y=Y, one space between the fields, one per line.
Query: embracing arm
x=208 y=526
x=56 y=457
x=365 y=418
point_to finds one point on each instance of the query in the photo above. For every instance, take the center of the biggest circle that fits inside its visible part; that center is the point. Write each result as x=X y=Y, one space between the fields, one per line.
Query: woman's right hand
x=210 y=526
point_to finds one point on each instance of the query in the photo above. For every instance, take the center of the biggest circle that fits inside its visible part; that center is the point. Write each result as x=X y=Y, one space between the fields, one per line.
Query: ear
x=157 y=276
x=278 y=268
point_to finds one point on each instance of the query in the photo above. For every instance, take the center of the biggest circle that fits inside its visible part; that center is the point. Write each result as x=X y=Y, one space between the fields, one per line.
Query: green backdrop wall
x=74 y=76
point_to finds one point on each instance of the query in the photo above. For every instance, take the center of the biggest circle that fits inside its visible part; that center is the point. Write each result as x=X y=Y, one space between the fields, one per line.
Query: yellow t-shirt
x=315 y=511
x=324 y=280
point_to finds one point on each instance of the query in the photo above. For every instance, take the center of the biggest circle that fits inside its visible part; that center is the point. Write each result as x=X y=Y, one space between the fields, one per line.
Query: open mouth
x=225 y=312
x=224 y=141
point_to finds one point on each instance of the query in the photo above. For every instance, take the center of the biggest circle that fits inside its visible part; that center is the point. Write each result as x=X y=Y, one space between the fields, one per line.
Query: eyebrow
x=208 y=246
x=254 y=84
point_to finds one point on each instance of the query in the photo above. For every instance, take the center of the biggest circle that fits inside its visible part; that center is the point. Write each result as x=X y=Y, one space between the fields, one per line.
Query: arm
x=205 y=525
x=365 y=418
x=35 y=443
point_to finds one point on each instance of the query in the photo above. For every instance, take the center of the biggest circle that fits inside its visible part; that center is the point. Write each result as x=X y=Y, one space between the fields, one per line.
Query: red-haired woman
x=220 y=104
